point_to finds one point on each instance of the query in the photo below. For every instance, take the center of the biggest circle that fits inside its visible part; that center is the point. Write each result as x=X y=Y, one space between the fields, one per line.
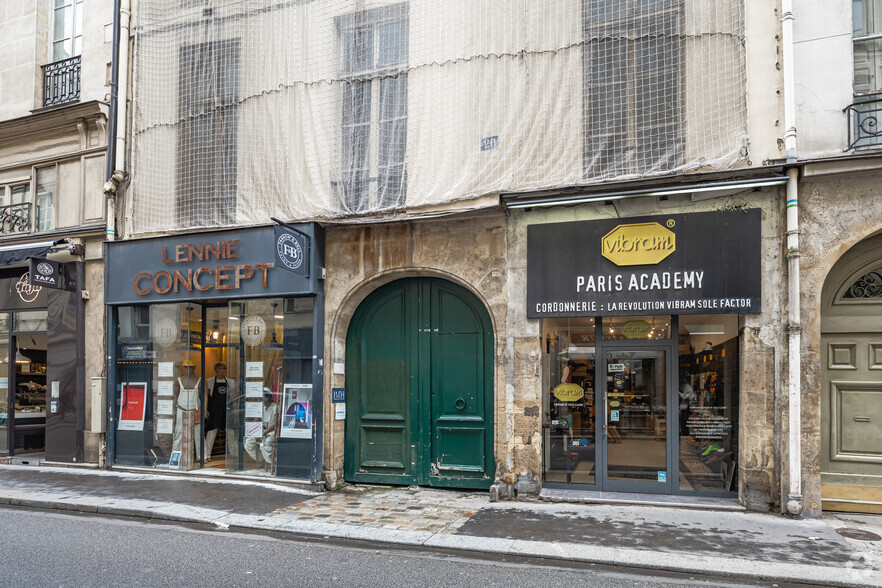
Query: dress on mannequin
x=188 y=402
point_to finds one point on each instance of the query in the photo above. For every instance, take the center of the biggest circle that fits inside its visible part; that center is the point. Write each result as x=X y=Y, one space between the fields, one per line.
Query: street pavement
x=726 y=543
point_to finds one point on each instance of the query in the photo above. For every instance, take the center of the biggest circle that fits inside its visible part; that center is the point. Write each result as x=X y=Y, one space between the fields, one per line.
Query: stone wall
x=837 y=211
x=487 y=253
x=468 y=250
x=762 y=336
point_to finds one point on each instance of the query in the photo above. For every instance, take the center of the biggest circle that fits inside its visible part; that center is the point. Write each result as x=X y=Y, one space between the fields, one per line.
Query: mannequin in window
x=221 y=392
x=187 y=401
x=267 y=444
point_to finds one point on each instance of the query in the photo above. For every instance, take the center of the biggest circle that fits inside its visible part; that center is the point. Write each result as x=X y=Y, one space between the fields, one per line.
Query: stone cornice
x=51 y=121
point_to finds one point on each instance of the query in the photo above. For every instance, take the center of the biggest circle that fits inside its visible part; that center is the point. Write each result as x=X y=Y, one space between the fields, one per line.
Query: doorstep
x=634 y=498
x=220 y=475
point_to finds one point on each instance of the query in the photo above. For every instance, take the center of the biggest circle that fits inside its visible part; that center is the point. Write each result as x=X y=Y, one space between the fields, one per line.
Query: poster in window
x=297 y=413
x=133 y=405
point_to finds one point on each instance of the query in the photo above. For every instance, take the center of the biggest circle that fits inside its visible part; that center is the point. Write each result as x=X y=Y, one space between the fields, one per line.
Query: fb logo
x=290 y=252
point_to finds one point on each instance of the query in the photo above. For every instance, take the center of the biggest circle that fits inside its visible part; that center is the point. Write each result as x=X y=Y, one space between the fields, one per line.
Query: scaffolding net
x=335 y=109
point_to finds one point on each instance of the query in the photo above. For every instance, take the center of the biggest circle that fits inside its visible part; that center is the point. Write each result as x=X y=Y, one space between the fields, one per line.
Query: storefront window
x=4 y=382
x=225 y=385
x=159 y=386
x=708 y=402
x=570 y=449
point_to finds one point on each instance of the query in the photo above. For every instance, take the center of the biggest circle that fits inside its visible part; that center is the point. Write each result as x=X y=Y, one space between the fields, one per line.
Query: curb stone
x=619 y=557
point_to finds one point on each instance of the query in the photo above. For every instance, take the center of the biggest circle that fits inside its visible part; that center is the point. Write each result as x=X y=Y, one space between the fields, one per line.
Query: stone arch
x=338 y=324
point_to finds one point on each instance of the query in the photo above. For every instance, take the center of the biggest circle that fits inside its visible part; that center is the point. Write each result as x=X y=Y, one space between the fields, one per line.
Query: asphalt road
x=56 y=549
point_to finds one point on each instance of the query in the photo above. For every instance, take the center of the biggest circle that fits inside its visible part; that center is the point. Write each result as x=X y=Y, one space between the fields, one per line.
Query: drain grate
x=858 y=534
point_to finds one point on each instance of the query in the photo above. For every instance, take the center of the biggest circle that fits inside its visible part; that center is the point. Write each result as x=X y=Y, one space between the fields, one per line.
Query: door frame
x=420 y=345
x=672 y=441
x=669 y=347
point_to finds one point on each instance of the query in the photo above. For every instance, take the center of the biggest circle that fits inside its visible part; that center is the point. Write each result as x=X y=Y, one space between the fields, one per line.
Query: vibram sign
x=568 y=392
x=638 y=244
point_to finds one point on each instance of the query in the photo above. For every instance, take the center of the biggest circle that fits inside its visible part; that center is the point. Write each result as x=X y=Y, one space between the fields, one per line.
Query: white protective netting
x=310 y=109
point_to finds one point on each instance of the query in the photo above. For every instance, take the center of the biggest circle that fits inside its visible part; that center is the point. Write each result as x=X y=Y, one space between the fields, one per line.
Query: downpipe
x=794 y=328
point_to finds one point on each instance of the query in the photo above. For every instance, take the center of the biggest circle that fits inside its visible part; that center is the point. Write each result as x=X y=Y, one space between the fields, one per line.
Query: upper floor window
x=207 y=147
x=67 y=29
x=374 y=53
x=632 y=68
x=44 y=203
x=864 y=114
x=19 y=213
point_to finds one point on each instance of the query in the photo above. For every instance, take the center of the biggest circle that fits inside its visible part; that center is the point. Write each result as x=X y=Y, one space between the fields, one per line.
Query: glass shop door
x=634 y=413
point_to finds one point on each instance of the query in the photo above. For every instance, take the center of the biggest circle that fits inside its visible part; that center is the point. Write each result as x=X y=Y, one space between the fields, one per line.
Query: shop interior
x=210 y=385
x=637 y=416
x=30 y=393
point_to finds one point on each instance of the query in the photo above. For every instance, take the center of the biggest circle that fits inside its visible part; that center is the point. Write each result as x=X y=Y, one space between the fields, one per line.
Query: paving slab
x=722 y=542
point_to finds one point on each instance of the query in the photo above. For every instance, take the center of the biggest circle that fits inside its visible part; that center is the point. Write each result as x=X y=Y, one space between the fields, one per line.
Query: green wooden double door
x=419 y=385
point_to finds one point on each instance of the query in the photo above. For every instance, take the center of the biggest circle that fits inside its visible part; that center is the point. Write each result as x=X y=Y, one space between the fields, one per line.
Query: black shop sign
x=211 y=265
x=700 y=263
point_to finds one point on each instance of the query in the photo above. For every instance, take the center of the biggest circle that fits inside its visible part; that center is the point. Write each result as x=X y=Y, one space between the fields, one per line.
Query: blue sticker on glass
x=614 y=416
x=663 y=476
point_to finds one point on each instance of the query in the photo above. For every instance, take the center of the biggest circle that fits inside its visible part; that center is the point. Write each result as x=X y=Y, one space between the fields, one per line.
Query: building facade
x=53 y=141
x=550 y=246
x=838 y=108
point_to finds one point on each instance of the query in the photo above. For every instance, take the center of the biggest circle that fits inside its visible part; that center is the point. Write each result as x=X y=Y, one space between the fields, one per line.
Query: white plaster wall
x=25 y=38
x=765 y=107
x=823 y=71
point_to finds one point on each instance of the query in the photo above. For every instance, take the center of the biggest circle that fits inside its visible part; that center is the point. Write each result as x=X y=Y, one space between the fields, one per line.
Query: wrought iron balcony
x=864 y=123
x=61 y=81
x=15 y=218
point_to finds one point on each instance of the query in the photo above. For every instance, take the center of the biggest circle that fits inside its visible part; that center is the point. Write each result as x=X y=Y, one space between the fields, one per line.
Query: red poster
x=133 y=405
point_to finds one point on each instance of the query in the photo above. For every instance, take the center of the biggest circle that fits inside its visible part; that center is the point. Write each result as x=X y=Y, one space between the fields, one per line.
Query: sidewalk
x=730 y=543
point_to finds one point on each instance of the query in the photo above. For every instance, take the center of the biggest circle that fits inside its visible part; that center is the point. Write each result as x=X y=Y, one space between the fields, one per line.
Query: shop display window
x=569 y=353
x=4 y=382
x=225 y=385
x=708 y=402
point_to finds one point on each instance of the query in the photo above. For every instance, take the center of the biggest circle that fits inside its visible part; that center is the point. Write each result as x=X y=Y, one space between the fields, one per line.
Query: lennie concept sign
x=697 y=263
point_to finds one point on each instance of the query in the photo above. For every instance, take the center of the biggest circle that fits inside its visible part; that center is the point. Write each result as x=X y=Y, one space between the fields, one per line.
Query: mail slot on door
x=862 y=419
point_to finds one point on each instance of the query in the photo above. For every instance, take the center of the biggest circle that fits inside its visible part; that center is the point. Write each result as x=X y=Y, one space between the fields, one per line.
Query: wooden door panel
x=379 y=432
x=420 y=386
x=461 y=390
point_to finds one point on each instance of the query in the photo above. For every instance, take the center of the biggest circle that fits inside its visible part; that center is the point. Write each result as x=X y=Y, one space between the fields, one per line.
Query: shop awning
x=18 y=254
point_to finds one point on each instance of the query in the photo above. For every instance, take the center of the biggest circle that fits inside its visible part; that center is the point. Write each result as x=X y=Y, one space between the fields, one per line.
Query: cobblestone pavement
x=403 y=509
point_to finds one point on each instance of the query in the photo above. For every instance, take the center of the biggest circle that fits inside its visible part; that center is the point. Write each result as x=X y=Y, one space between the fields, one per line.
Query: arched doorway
x=851 y=380
x=419 y=382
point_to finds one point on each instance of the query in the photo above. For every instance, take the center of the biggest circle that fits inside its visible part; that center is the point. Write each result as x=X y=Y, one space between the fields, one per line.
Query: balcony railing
x=61 y=81
x=15 y=218
x=864 y=123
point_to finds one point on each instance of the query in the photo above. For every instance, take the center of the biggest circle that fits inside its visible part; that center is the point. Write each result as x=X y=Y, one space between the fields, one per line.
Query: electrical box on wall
x=98 y=405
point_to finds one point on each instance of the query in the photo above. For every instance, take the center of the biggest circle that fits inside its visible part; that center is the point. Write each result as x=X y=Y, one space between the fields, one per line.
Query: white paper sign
x=253 y=389
x=339 y=367
x=165 y=407
x=165 y=388
x=166 y=369
x=253 y=430
x=55 y=388
x=340 y=411
x=254 y=409
x=253 y=369
x=164 y=426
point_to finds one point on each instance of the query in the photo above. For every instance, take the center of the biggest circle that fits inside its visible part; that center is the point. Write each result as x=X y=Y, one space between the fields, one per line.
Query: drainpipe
x=794 y=329
x=116 y=139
